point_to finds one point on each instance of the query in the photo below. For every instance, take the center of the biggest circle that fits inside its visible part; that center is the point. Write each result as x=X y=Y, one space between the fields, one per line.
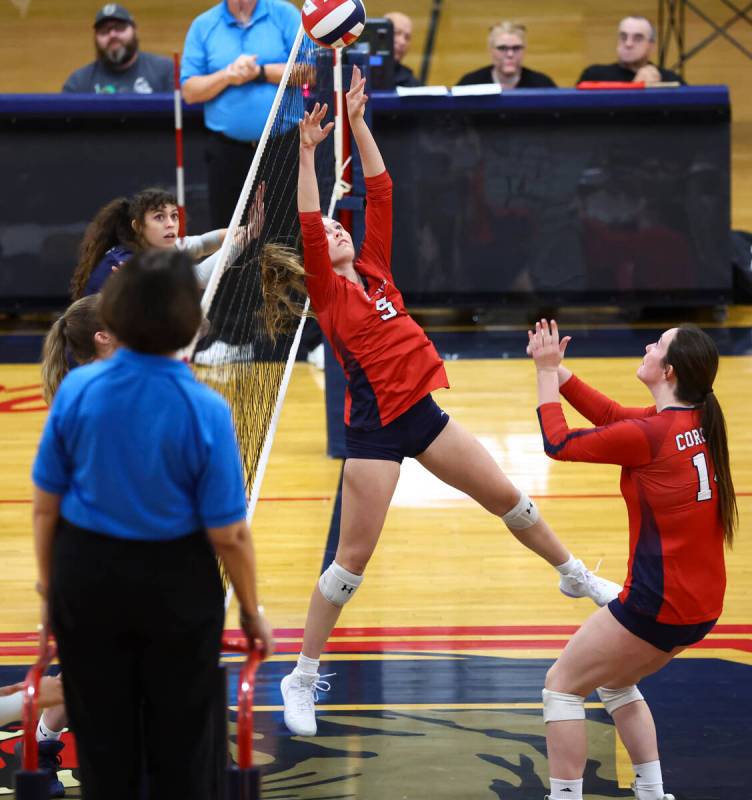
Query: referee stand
x=30 y=782
x=241 y=781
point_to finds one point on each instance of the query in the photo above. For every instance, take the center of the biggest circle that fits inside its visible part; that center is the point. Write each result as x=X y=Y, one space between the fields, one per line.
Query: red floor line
x=447 y=645
x=599 y=496
x=435 y=631
x=479 y=630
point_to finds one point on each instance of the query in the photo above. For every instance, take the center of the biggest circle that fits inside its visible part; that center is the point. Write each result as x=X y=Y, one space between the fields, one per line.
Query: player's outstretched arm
x=311 y=135
x=234 y=545
x=370 y=155
x=547 y=350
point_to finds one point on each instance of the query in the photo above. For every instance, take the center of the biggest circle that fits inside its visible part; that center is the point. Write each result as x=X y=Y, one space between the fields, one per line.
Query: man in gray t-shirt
x=120 y=66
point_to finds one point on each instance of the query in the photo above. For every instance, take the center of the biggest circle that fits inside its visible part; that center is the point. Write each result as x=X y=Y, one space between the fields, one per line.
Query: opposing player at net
x=391 y=368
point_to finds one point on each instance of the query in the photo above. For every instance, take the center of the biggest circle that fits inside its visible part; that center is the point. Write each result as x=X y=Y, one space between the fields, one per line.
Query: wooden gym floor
x=440 y=660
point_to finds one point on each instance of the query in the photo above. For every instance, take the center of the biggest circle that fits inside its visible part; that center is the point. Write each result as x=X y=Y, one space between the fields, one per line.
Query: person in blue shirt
x=234 y=56
x=233 y=61
x=137 y=486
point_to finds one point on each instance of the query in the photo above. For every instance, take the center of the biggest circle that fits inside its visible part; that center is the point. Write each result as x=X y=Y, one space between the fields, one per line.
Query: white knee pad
x=616 y=698
x=523 y=515
x=559 y=706
x=338 y=585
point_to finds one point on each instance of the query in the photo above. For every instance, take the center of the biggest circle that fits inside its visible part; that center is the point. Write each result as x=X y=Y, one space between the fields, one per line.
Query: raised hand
x=356 y=97
x=243 y=69
x=257 y=213
x=311 y=132
x=544 y=345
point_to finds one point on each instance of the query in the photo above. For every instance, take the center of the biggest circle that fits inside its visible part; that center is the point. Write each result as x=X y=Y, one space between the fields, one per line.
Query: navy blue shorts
x=405 y=437
x=659 y=634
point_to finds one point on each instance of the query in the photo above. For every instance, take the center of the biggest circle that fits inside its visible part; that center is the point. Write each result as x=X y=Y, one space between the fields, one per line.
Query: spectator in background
x=506 y=43
x=403 y=35
x=235 y=54
x=634 y=48
x=234 y=57
x=120 y=66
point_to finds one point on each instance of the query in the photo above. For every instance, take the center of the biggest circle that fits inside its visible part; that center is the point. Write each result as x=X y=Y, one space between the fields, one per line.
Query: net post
x=243 y=784
x=30 y=782
x=179 y=173
x=220 y=720
x=243 y=780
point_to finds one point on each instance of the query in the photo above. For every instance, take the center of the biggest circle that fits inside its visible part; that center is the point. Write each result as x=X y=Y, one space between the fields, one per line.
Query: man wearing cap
x=120 y=66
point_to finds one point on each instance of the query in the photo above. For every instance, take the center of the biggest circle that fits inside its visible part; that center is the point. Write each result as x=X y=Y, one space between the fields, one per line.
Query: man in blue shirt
x=235 y=55
x=233 y=61
x=138 y=484
x=120 y=66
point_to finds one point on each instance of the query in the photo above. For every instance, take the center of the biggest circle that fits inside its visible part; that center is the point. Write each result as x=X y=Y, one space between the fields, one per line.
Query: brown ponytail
x=283 y=286
x=110 y=227
x=694 y=357
x=70 y=338
x=113 y=226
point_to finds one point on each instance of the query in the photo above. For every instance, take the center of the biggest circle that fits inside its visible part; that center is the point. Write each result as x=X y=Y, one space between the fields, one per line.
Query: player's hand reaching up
x=356 y=97
x=311 y=132
x=544 y=345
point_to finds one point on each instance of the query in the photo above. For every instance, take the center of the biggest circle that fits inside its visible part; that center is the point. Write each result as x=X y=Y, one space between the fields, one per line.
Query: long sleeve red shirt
x=676 y=572
x=388 y=360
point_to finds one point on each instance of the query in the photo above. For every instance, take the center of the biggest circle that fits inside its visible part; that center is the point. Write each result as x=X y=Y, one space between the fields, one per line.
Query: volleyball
x=334 y=23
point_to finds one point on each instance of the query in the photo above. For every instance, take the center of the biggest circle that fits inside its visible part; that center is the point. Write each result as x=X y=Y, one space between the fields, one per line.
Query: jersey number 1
x=701 y=465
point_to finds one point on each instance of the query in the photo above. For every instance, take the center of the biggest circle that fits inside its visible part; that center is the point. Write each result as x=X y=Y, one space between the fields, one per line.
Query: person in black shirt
x=634 y=47
x=120 y=65
x=506 y=43
x=403 y=34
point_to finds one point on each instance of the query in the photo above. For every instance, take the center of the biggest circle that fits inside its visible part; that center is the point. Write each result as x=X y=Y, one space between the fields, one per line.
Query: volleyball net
x=255 y=305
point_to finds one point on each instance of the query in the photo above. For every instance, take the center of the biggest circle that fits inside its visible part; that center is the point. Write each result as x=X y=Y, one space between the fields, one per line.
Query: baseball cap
x=113 y=11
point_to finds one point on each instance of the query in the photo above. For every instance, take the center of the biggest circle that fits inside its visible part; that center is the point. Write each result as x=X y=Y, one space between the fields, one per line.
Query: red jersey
x=388 y=360
x=676 y=573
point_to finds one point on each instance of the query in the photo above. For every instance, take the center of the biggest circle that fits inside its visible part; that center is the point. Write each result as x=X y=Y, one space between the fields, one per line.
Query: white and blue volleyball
x=334 y=23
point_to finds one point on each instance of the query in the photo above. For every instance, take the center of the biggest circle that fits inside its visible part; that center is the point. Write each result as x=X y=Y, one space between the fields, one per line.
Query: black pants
x=227 y=163
x=138 y=627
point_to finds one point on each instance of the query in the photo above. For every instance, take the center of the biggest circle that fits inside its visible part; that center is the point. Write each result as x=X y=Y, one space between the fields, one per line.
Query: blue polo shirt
x=215 y=39
x=139 y=449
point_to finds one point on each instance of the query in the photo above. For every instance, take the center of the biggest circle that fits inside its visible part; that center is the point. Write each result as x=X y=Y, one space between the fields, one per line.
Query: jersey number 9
x=385 y=305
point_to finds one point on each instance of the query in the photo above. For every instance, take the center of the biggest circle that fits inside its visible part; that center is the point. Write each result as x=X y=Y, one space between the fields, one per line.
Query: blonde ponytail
x=71 y=338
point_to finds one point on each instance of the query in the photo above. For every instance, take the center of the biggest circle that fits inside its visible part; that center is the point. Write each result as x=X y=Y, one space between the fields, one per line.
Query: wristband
x=261 y=77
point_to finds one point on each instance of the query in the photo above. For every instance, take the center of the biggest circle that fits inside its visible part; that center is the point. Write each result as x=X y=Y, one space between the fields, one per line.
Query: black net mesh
x=259 y=332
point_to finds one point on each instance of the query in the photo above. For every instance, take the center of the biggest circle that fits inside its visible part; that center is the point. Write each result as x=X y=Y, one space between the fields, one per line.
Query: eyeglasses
x=509 y=48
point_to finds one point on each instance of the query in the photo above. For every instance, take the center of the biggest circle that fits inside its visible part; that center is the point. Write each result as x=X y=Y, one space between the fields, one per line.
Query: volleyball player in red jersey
x=391 y=368
x=677 y=485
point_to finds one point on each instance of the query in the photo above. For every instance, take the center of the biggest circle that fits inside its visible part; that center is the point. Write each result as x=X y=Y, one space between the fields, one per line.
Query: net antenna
x=255 y=332
x=341 y=187
x=179 y=173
